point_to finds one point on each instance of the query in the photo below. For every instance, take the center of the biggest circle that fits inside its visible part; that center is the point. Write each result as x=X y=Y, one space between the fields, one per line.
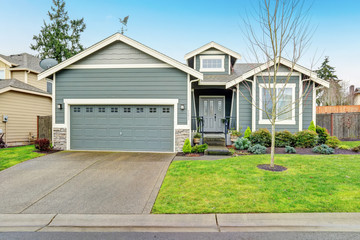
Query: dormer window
x=212 y=63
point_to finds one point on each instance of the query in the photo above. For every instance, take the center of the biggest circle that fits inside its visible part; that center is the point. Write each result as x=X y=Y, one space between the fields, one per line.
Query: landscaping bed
x=302 y=151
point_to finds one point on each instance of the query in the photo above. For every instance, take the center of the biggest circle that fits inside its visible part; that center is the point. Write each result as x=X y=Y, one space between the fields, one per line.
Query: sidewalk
x=345 y=222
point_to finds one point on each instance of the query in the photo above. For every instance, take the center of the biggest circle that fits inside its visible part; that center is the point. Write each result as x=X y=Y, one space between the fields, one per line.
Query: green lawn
x=351 y=143
x=12 y=156
x=313 y=183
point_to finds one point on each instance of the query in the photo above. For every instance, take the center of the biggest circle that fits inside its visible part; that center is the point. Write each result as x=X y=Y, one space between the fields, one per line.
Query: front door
x=213 y=111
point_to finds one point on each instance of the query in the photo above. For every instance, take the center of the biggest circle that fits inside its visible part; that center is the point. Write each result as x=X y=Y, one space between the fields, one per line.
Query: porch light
x=182 y=106
x=59 y=106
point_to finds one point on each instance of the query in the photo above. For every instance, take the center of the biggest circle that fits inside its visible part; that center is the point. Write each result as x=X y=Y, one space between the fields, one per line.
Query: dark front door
x=213 y=111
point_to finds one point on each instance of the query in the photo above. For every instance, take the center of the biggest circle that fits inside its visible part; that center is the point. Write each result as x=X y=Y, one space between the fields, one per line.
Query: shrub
x=323 y=134
x=323 y=149
x=289 y=149
x=247 y=133
x=242 y=143
x=345 y=147
x=312 y=127
x=199 y=148
x=43 y=144
x=187 y=146
x=257 y=149
x=356 y=149
x=197 y=135
x=284 y=138
x=234 y=132
x=261 y=136
x=306 y=139
x=333 y=142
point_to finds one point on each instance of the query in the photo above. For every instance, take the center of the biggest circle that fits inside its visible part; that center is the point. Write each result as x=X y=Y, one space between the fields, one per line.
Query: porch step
x=217 y=150
x=214 y=139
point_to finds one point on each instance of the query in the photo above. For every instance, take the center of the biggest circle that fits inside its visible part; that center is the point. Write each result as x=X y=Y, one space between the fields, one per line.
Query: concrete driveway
x=84 y=183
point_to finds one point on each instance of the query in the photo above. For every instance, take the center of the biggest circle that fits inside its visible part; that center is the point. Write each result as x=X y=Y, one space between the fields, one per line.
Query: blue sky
x=178 y=27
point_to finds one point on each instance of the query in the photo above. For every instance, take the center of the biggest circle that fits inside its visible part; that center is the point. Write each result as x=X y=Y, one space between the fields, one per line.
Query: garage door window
x=89 y=109
x=166 y=110
x=114 y=110
x=139 y=110
x=152 y=110
x=77 y=109
x=102 y=110
x=127 y=110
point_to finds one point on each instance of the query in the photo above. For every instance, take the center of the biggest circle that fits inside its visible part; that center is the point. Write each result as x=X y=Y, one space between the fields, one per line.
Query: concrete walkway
x=277 y=222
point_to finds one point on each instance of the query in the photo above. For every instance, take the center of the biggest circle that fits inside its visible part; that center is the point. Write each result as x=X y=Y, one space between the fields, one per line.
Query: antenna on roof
x=48 y=63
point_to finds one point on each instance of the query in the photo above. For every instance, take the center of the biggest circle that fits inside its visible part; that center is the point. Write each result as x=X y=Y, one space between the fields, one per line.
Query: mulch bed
x=301 y=151
x=181 y=154
x=276 y=168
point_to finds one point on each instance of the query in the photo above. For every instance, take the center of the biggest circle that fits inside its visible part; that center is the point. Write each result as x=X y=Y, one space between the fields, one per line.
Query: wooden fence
x=44 y=127
x=342 y=125
x=337 y=109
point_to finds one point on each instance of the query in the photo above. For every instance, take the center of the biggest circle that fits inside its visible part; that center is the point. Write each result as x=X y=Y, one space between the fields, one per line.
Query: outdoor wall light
x=182 y=106
x=59 y=106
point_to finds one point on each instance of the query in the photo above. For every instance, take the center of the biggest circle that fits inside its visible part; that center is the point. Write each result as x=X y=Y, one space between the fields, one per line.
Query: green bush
x=247 y=133
x=323 y=134
x=197 y=135
x=257 y=149
x=234 y=132
x=333 y=142
x=242 y=143
x=312 y=127
x=323 y=149
x=284 y=138
x=306 y=139
x=289 y=149
x=187 y=146
x=199 y=148
x=261 y=136
x=356 y=149
x=344 y=147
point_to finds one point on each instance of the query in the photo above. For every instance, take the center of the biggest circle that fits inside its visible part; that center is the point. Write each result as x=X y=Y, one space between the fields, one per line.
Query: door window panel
x=205 y=108
x=211 y=106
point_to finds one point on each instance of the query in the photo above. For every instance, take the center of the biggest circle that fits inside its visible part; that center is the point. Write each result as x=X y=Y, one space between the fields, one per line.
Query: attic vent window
x=212 y=63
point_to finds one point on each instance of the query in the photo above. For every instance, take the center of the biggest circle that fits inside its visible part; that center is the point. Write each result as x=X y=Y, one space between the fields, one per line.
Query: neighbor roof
x=129 y=41
x=16 y=85
x=22 y=61
x=212 y=45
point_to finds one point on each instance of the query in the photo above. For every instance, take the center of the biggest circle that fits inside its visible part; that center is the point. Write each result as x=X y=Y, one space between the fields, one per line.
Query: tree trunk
x=272 y=144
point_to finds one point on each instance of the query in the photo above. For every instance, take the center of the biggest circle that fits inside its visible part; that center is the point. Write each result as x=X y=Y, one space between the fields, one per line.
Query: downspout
x=196 y=126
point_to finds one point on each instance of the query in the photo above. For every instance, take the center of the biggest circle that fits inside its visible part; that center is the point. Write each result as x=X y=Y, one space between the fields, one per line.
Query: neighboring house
x=22 y=97
x=121 y=95
x=354 y=95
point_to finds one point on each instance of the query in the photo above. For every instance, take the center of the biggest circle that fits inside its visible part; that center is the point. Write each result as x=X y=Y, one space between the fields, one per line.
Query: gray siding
x=307 y=104
x=245 y=107
x=226 y=64
x=292 y=128
x=119 y=53
x=153 y=83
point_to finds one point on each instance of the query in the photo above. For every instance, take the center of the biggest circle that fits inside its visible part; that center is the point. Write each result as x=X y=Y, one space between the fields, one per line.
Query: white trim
x=237 y=107
x=23 y=91
x=23 y=69
x=188 y=103
x=53 y=109
x=106 y=66
x=129 y=41
x=279 y=85
x=7 y=62
x=195 y=62
x=312 y=75
x=232 y=105
x=229 y=65
x=69 y=102
x=212 y=45
x=221 y=57
x=25 y=77
x=253 y=100
x=314 y=104
x=212 y=83
x=300 y=103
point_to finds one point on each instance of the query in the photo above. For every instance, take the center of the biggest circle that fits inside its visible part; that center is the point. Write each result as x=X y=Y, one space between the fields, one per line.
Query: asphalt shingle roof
x=4 y=83
x=24 y=60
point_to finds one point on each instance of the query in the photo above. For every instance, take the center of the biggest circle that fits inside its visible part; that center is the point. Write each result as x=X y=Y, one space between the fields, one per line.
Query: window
x=139 y=110
x=114 y=110
x=2 y=74
x=285 y=108
x=152 y=110
x=89 y=109
x=76 y=109
x=127 y=110
x=166 y=110
x=49 y=87
x=212 y=63
x=101 y=109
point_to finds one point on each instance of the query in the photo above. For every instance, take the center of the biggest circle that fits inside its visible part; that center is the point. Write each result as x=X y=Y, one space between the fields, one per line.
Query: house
x=122 y=95
x=354 y=95
x=22 y=98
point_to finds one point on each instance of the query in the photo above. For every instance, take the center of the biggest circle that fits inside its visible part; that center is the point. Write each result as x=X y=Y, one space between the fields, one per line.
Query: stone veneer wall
x=59 y=138
x=180 y=136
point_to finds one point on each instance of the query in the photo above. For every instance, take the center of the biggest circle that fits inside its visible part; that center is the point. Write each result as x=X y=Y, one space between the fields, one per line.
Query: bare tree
x=281 y=30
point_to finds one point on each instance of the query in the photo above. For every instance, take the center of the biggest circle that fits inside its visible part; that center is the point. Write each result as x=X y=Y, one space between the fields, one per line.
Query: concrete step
x=217 y=150
x=214 y=139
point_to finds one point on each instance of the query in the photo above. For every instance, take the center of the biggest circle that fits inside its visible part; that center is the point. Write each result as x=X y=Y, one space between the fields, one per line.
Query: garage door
x=124 y=128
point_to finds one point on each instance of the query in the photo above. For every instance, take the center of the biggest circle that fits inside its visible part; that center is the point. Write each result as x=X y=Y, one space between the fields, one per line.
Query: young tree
x=281 y=30
x=60 y=38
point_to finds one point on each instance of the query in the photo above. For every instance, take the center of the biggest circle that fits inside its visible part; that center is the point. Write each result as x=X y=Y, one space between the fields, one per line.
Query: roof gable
x=119 y=37
x=215 y=46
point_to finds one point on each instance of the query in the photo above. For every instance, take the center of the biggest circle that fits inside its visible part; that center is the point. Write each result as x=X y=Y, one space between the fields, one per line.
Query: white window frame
x=222 y=69
x=3 y=69
x=291 y=121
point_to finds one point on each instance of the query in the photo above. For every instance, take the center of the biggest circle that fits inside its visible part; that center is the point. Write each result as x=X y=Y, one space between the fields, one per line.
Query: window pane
x=266 y=103
x=48 y=87
x=211 y=108
x=219 y=106
x=211 y=63
x=284 y=105
x=205 y=108
x=2 y=74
